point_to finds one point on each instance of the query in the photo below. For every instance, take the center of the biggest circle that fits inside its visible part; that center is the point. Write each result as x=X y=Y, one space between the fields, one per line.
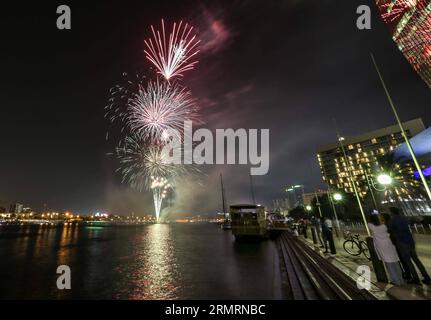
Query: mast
x=252 y=190
x=223 y=196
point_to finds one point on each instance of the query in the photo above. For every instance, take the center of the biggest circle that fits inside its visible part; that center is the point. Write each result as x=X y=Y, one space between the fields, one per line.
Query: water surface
x=160 y=261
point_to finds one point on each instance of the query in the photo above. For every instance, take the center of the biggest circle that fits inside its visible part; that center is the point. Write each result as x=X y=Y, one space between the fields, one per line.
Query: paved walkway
x=349 y=265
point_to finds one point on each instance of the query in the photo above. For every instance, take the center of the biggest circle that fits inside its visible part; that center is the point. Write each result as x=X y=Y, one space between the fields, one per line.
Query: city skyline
x=53 y=136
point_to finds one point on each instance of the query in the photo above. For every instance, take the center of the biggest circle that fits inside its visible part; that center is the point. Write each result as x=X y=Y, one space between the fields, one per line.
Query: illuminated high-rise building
x=362 y=152
x=410 y=24
x=310 y=197
x=295 y=196
x=408 y=187
x=16 y=208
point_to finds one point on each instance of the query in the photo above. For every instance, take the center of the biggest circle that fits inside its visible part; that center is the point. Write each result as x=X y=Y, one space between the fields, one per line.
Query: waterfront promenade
x=350 y=263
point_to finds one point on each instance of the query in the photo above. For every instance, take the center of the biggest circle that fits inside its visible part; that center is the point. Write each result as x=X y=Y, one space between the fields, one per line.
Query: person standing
x=385 y=249
x=305 y=227
x=326 y=232
x=404 y=267
x=329 y=223
x=315 y=225
x=399 y=227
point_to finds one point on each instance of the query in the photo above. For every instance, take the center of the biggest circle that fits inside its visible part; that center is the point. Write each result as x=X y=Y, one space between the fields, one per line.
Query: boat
x=248 y=222
x=276 y=224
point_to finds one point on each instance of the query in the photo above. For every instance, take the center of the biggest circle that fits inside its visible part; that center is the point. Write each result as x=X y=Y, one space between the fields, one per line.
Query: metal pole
x=379 y=268
x=329 y=236
x=337 y=224
x=352 y=180
x=331 y=202
x=403 y=132
x=318 y=205
x=252 y=190
x=370 y=187
x=223 y=197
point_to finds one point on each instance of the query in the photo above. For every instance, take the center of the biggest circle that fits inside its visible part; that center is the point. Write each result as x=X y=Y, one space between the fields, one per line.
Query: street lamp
x=384 y=179
x=308 y=208
x=338 y=196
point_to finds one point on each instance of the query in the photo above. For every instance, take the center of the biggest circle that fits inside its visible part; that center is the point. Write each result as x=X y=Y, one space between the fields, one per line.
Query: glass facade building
x=410 y=24
x=362 y=152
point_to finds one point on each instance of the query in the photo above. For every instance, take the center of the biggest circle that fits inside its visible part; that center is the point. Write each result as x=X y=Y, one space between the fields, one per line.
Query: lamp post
x=338 y=196
x=328 y=238
x=377 y=263
x=318 y=205
x=309 y=209
x=370 y=187
x=353 y=182
x=331 y=202
x=304 y=221
x=383 y=179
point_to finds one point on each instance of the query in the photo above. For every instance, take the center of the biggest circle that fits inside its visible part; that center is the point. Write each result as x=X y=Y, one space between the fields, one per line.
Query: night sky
x=290 y=66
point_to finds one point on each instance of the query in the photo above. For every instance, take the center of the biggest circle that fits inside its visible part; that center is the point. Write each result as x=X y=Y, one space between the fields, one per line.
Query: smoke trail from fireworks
x=173 y=54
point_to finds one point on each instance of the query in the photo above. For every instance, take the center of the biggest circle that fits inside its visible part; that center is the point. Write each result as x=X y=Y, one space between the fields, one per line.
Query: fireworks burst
x=149 y=111
x=410 y=22
x=160 y=186
x=173 y=54
x=141 y=161
x=145 y=166
x=120 y=96
x=394 y=9
x=153 y=110
x=158 y=108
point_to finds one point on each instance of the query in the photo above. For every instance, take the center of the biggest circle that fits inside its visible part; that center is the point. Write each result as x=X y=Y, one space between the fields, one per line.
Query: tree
x=298 y=213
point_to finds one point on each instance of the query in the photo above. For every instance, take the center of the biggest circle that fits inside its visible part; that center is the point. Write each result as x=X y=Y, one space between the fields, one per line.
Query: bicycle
x=355 y=246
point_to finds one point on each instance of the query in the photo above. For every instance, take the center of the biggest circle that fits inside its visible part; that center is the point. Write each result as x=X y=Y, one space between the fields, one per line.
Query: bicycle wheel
x=352 y=247
x=365 y=250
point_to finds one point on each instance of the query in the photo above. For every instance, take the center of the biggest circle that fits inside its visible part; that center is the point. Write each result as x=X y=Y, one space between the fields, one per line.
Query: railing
x=416 y=228
x=309 y=276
